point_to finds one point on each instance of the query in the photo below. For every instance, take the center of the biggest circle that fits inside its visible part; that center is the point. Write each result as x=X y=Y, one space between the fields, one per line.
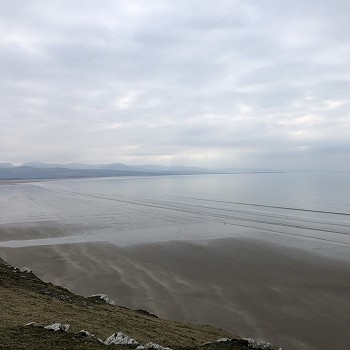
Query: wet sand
x=38 y=230
x=284 y=295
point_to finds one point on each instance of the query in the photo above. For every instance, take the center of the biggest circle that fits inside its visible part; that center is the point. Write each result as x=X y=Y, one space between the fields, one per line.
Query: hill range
x=41 y=171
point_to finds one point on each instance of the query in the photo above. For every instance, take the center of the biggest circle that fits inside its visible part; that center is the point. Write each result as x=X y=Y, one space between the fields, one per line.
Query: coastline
x=248 y=287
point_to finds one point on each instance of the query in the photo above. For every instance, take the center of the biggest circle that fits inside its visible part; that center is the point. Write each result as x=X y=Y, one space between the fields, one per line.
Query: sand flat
x=287 y=296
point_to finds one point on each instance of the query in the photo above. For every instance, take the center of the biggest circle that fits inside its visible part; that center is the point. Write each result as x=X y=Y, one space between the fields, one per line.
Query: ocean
x=311 y=207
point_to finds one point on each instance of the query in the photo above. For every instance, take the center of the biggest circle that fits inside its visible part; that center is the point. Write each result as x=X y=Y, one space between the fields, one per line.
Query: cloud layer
x=199 y=82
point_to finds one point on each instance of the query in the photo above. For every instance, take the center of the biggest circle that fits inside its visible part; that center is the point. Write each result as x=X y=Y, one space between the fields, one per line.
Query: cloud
x=234 y=83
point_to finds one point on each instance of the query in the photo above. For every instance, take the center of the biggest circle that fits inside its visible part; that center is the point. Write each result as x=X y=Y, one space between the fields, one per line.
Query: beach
x=286 y=296
x=264 y=256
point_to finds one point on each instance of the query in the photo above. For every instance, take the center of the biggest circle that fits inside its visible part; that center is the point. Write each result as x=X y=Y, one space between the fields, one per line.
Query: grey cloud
x=244 y=82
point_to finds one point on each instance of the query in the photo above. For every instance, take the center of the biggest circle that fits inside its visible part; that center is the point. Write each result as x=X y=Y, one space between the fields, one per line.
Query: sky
x=229 y=83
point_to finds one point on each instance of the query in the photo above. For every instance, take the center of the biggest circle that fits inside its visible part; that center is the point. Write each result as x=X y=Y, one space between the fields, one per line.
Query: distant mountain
x=154 y=167
x=120 y=166
x=29 y=173
x=39 y=165
x=6 y=165
x=41 y=171
x=38 y=170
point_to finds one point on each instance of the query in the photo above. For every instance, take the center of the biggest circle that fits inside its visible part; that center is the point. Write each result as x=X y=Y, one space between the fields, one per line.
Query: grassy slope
x=25 y=298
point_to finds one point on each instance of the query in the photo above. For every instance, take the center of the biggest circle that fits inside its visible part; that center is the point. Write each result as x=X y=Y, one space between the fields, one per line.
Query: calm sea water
x=308 y=209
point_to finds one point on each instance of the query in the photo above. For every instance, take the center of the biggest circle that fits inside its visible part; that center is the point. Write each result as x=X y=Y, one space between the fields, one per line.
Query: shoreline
x=51 y=232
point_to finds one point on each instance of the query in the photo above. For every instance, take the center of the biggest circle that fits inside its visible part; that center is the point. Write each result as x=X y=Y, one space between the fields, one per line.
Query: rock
x=154 y=346
x=251 y=343
x=222 y=340
x=121 y=339
x=103 y=297
x=87 y=334
x=146 y=313
x=58 y=327
x=21 y=269
x=256 y=345
x=25 y=269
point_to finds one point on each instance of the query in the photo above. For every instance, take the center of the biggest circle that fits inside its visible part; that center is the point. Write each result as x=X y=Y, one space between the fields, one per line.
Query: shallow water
x=306 y=209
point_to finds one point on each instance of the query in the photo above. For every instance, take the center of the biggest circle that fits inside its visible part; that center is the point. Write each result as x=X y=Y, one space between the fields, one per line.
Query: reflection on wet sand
x=256 y=289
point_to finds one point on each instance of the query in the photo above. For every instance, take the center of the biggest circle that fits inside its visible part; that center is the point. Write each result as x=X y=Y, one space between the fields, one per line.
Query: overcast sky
x=182 y=82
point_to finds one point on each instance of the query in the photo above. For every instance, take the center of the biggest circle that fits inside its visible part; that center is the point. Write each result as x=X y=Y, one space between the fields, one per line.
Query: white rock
x=155 y=346
x=140 y=347
x=120 y=338
x=103 y=297
x=30 y=324
x=249 y=340
x=58 y=327
x=223 y=340
x=256 y=345
x=25 y=269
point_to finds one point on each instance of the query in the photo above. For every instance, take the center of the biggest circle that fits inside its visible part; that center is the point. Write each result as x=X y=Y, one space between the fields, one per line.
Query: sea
x=310 y=210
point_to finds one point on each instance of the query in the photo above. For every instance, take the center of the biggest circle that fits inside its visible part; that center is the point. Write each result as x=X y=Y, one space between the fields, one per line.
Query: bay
x=303 y=209
x=260 y=255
